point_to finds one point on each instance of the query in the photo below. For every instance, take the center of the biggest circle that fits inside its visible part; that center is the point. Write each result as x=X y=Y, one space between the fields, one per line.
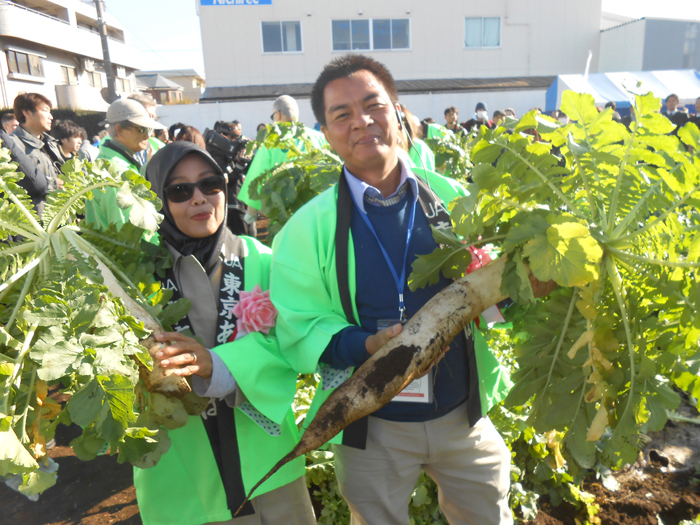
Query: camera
x=233 y=151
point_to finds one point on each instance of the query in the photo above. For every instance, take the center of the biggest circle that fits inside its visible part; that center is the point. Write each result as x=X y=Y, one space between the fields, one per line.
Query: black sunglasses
x=183 y=191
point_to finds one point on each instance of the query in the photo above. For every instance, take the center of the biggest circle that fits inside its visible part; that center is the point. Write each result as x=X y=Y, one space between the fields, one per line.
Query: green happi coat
x=185 y=487
x=307 y=296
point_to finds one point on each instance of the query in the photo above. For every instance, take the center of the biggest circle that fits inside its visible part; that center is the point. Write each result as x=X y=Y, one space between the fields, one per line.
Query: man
x=285 y=109
x=510 y=112
x=679 y=118
x=9 y=122
x=128 y=134
x=451 y=121
x=499 y=117
x=696 y=118
x=336 y=285
x=480 y=118
x=612 y=105
x=150 y=105
x=33 y=148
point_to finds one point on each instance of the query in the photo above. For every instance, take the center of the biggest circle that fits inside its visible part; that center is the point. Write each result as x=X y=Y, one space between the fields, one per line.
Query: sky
x=168 y=35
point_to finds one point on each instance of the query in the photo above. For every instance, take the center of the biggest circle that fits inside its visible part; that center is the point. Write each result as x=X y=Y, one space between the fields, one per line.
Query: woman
x=69 y=136
x=217 y=457
x=190 y=134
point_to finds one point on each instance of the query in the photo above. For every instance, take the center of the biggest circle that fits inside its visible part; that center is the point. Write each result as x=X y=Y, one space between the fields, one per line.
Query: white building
x=259 y=49
x=53 y=47
x=650 y=44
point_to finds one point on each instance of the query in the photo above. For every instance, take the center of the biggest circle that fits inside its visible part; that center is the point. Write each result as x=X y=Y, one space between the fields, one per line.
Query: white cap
x=132 y=111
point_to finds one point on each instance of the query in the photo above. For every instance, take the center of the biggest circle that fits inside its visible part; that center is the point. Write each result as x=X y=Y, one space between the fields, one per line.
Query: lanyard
x=399 y=280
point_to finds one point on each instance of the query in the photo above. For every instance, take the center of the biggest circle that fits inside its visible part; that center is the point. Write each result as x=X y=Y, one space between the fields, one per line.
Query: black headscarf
x=158 y=172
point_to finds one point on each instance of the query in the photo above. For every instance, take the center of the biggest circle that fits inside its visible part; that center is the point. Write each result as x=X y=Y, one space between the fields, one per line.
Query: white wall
x=622 y=48
x=538 y=37
x=252 y=113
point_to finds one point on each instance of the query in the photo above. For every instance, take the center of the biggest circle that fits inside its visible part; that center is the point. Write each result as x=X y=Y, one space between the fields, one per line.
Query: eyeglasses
x=140 y=129
x=183 y=191
x=272 y=117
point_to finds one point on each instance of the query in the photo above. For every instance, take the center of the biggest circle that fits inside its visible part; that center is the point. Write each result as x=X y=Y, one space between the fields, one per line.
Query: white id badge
x=417 y=391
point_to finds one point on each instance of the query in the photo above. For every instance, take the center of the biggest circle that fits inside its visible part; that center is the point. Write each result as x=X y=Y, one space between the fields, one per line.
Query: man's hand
x=185 y=355
x=376 y=341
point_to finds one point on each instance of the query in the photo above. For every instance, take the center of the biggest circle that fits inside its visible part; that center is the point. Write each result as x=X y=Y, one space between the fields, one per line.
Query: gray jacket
x=40 y=160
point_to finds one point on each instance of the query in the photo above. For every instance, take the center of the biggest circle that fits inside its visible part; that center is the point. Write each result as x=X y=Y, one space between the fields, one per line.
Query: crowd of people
x=337 y=285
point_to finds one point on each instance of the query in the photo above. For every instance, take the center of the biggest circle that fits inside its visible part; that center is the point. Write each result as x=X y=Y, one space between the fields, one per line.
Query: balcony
x=75 y=96
x=41 y=28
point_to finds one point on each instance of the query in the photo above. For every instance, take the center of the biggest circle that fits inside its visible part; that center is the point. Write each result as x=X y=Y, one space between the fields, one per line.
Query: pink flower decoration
x=255 y=312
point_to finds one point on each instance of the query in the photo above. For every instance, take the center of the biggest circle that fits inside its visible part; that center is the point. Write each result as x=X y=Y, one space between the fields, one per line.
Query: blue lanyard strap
x=400 y=281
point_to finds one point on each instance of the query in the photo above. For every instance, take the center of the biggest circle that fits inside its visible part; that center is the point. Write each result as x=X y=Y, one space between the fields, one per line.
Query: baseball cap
x=479 y=106
x=132 y=111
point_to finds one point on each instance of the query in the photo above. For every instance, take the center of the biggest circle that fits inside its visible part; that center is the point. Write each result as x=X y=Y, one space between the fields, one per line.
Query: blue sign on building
x=235 y=2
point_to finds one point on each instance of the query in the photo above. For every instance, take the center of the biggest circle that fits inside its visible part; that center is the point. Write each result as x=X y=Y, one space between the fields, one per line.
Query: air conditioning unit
x=121 y=72
x=88 y=64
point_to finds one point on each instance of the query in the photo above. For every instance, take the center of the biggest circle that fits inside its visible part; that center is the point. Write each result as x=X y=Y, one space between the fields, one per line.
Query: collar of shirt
x=358 y=188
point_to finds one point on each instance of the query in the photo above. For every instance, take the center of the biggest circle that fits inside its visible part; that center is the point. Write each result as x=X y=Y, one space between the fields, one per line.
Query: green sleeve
x=303 y=286
x=262 y=161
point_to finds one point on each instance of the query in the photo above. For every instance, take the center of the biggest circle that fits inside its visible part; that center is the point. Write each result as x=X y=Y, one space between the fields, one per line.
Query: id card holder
x=417 y=391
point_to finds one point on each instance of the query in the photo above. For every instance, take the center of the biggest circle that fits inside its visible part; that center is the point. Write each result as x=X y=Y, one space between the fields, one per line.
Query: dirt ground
x=663 y=483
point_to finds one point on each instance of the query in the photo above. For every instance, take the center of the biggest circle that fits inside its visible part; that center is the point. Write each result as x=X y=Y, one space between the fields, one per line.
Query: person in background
x=262 y=125
x=480 y=118
x=34 y=149
x=499 y=117
x=190 y=134
x=69 y=136
x=612 y=105
x=151 y=106
x=673 y=112
x=9 y=122
x=129 y=131
x=510 y=112
x=87 y=151
x=162 y=135
x=285 y=109
x=248 y=423
x=452 y=121
x=696 y=118
x=175 y=129
x=419 y=154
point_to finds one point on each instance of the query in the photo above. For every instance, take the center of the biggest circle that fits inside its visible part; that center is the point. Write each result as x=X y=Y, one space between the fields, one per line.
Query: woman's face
x=200 y=215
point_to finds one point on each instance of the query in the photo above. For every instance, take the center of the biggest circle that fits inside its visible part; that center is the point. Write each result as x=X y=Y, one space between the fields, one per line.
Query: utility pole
x=109 y=69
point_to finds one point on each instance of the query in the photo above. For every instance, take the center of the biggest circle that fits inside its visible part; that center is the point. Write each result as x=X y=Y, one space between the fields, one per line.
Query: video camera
x=237 y=163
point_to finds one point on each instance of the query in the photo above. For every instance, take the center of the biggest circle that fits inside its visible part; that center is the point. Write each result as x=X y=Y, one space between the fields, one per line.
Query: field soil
x=663 y=484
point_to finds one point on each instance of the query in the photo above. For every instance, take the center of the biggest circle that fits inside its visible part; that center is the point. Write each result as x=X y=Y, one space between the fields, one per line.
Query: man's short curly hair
x=344 y=67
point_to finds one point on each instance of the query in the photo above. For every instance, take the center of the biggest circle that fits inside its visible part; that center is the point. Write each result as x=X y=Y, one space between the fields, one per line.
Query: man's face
x=236 y=130
x=39 y=121
x=451 y=118
x=509 y=113
x=133 y=137
x=361 y=123
x=11 y=125
x=671 y=103
x=498 y=120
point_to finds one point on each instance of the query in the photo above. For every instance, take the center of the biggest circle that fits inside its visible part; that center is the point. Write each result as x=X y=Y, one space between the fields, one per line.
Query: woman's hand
x=184 y=355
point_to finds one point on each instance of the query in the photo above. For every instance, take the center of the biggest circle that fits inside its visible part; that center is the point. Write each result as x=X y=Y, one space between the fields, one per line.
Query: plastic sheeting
x=621 y=87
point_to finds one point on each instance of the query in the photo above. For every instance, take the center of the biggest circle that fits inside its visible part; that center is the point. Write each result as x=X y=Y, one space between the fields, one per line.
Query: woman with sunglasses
x=218 y=456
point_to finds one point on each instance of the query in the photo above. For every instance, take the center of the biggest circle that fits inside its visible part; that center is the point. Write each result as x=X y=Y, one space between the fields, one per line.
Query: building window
x=281 y=37
x=122 y=85
x=68 y=75
x=24 y=64
x=386 y=34
x=94 y=79
x=482 y=32
x=350 y=34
